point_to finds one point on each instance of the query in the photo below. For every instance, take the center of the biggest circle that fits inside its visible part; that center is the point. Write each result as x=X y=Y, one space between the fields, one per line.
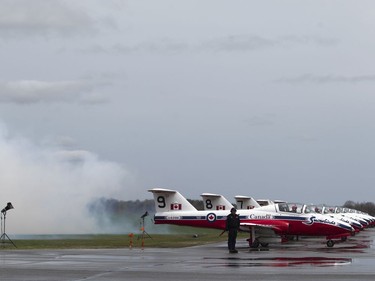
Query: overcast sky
x=271 y=99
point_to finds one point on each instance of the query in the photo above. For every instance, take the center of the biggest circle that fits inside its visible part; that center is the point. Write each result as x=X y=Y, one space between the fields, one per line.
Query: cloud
x=44 y=18
x=254 y=42
x=33 y=91
x=231 y=43
x=323 y=79
x=238 y=43
x=51 y=188
x=161 y=46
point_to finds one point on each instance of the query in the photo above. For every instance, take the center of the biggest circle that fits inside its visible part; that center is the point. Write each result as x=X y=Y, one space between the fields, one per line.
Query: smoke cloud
x=50 y=188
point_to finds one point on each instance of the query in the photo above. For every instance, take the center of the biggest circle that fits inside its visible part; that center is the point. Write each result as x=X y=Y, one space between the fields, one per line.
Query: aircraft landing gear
x=330 y=243
x=255 y=244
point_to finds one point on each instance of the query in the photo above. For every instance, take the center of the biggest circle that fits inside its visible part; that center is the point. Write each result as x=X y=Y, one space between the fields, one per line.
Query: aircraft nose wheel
x=255 y=244
x=330 y=243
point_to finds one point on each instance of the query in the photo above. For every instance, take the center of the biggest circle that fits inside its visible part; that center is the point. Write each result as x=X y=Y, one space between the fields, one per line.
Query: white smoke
x=50 y=188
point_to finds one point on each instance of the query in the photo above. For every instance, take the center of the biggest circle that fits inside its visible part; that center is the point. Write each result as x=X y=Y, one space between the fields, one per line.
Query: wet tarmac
x=306 y=259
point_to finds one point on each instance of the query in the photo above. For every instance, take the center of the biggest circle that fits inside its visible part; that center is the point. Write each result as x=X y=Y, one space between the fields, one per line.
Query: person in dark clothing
x=232 y=226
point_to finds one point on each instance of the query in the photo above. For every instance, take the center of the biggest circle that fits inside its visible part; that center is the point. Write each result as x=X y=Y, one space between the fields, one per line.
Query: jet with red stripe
x=281 y=224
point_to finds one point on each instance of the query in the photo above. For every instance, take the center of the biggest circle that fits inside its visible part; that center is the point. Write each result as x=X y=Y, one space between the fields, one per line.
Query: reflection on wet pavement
x=304 y=252
x=276 y=261
x=305 y=259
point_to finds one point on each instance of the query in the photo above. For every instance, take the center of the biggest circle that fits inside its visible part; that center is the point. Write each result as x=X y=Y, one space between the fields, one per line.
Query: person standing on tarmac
x=232 y=226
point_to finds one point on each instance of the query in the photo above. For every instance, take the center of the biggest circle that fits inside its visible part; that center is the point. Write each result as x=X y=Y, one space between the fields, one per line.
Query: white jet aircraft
x=172 y=208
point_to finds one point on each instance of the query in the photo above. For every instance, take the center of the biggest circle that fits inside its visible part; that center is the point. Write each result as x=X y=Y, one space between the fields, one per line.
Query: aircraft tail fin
x=215 y=202
x=246 y=202
x=167 y=200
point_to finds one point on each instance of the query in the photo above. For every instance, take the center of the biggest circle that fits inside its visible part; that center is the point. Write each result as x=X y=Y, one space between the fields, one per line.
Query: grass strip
x=109 y=241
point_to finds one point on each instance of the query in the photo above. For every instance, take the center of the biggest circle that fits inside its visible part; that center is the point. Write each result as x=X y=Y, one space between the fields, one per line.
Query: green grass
x=117 y=241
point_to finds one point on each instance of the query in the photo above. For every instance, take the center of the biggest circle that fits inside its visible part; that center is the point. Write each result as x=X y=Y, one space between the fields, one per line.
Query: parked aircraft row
x=263 y=223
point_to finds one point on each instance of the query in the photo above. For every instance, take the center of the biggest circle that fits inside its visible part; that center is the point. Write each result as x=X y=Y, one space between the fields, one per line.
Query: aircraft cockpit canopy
x=344 y=210
x=290 y=207
x=309 y=209
x=338 y=210
x=329 y=210
x=318 y=209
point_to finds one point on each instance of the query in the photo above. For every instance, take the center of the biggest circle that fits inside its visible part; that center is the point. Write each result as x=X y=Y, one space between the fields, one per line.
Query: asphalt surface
x=306 y=259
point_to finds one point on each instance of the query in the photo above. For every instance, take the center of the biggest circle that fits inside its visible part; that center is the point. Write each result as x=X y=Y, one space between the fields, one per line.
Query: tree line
x=118 y=207
x=117 y=216
x=367 y=207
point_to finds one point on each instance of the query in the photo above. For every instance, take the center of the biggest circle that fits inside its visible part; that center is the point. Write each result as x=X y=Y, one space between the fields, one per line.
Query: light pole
x=4 y=235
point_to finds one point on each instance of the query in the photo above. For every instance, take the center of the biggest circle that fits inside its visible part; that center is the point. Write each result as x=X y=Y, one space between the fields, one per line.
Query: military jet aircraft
x=365 y=219
x=173 y=208
x=329 y=211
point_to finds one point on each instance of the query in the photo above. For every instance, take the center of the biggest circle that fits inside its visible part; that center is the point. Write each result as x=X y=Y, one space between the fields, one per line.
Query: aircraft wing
x=278 y=227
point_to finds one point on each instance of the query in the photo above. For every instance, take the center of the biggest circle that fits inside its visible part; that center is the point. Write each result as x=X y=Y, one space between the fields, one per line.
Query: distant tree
x=350 y=204
x=198 y=204
x=366 y=207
